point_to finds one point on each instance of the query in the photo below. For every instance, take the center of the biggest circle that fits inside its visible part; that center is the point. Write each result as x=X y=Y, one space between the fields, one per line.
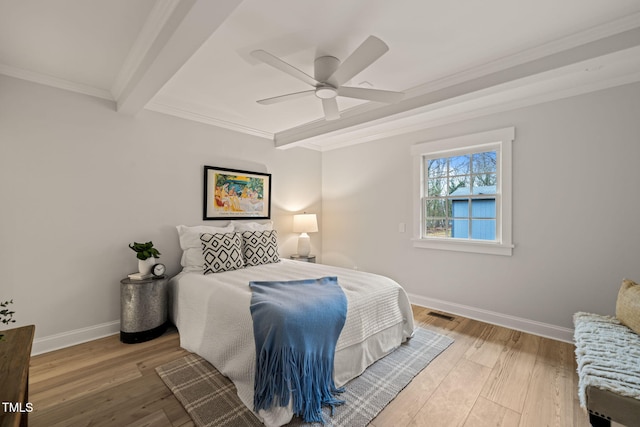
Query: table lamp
x=303 y=224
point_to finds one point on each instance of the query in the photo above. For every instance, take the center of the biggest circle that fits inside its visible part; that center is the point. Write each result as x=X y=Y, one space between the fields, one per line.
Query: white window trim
x=502 y=140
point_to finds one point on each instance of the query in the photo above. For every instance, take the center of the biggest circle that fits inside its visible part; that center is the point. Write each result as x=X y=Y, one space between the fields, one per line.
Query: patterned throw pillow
x=221 y=252
x=260 y=247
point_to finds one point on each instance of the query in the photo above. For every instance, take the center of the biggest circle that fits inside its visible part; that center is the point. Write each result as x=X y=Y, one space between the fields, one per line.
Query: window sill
x=489 y=248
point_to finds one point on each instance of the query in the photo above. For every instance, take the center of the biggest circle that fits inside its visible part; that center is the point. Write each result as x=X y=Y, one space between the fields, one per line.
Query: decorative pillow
x=221 y=252
x=252 y=226
x=260 y=247
x=192 y=246
x=628 y=305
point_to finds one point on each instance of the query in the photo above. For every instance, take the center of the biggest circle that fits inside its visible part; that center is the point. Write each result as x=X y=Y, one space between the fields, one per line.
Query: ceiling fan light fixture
x=326 y=92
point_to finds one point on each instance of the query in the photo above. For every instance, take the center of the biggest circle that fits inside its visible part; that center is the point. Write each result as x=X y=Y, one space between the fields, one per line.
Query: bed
x=211 y=312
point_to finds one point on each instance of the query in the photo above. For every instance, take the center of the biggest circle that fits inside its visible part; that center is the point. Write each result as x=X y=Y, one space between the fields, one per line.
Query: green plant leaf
x=144 y=250
x=6 y=315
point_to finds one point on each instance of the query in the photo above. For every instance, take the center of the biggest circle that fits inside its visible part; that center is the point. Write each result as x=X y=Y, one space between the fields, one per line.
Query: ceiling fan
x=330 y=75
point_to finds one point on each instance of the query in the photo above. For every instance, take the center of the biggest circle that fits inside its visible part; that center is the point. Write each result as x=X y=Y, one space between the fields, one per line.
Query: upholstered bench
x=608 y=356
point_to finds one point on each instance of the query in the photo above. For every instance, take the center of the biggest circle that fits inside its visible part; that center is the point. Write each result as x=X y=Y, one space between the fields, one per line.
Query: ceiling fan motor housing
x=324 y=67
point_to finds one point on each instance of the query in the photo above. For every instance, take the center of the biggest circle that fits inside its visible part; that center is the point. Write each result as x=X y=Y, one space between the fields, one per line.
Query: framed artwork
x=236 y=194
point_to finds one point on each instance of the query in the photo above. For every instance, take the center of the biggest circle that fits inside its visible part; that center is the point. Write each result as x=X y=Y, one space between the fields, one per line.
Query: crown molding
x=56 y=82
x=187 y=114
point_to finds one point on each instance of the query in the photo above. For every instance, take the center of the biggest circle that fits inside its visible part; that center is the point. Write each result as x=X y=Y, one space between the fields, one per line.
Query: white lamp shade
x=305 y=223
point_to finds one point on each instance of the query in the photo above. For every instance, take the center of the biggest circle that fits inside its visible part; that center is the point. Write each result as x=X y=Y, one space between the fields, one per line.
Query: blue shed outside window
x=482 y=216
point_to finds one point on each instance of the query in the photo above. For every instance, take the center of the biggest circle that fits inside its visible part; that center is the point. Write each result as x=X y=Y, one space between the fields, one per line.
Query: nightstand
x=143 y=309
x=304 y=258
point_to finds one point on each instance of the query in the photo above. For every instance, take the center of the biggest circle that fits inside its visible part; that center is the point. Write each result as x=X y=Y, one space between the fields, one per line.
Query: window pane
x=484 y=162
x=483 y=229
x=483 y=208
x=459 y=165
x=437 y=208
x=438 y=228
x=436 y=187
x=460 y=229
x=460 y=208
x=485 y=184
x=436 y=168
x=459 y=185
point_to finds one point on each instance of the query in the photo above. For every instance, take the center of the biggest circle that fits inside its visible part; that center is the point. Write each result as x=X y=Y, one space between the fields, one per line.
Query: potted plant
x=146 y=254
x=6 y=315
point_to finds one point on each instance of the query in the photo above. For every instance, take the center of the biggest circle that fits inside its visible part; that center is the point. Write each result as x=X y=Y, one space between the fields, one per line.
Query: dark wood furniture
x=15 y=354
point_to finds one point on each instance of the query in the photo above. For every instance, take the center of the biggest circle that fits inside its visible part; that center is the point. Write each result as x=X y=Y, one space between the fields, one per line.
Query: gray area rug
x=211 y=399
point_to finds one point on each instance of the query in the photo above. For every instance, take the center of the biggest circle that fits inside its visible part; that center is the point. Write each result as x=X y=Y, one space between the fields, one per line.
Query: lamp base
x=304 y=244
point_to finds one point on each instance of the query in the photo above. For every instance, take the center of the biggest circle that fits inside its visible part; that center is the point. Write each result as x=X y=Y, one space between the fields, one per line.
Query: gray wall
x=78 y=182
x=576 y=199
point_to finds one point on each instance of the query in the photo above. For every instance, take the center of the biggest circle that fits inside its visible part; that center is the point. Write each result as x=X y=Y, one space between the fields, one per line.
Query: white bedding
x=213 y=318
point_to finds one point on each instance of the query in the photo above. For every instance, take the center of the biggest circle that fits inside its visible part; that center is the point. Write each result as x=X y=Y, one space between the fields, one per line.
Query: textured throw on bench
x=296 y=326
x=607 y=353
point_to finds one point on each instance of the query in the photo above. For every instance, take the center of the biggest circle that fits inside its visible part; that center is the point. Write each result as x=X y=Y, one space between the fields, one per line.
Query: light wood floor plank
x=486 y=413
x=452 y=401
x=490 y=376
x=557 y=353
x=156 y=419
x=511 y=375
x=553 y=386
x=489 y=346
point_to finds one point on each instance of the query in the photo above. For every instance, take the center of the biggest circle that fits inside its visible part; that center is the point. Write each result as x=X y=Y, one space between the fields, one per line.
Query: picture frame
x=236 y=194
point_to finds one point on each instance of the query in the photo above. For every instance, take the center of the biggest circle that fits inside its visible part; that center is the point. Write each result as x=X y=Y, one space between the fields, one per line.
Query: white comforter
x=213 y=317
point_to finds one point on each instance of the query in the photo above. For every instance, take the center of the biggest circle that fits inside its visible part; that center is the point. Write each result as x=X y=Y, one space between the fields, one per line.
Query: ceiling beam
x=174 y=31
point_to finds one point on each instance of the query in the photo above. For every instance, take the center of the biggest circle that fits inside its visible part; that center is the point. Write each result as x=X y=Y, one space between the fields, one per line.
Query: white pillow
x=252 y=226
x=192 y=259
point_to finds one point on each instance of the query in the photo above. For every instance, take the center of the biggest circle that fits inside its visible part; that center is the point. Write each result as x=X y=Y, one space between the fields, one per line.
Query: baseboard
x=78 y=336
x=525 y=325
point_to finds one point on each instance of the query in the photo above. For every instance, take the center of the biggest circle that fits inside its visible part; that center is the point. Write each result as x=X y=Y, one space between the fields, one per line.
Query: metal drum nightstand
x=143 y=309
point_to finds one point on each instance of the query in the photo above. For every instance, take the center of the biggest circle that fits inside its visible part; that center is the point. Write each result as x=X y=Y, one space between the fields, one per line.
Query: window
x=463 y=193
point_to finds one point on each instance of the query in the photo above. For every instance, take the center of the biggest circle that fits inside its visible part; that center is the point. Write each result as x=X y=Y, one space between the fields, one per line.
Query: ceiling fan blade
x=278 y=63
x=366 y=54
x=371 y=94
x=330 y=107
x=282 y=98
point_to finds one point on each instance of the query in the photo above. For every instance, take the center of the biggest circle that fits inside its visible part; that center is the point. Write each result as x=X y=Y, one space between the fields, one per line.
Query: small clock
x=158 y=270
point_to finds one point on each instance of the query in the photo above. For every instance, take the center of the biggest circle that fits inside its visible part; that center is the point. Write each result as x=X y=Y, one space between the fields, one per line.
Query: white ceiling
x=190 y=58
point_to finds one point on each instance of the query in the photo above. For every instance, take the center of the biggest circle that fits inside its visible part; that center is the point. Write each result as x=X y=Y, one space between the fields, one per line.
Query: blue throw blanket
x=296 y=325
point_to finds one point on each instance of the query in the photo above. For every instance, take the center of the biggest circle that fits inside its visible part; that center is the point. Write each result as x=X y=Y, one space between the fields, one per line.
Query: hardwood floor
x=490 y=376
